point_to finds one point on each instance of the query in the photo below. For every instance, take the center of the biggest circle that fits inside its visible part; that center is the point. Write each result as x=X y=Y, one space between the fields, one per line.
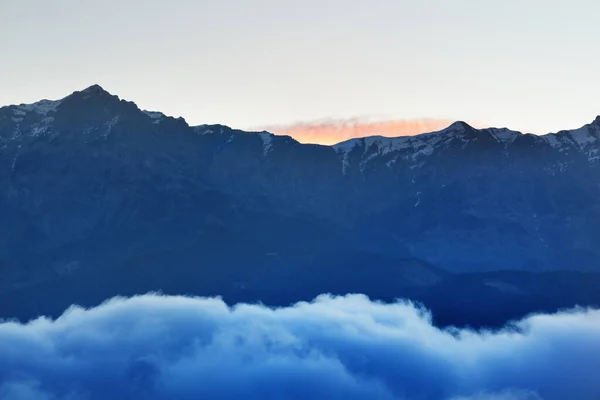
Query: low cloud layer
x=335 y=131
x=158 y=347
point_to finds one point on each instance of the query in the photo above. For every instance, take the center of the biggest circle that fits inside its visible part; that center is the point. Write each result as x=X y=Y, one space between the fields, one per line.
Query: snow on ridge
x=203 y=129
x=41 y=107
x=421 y=144
x=267 y=139
x=416 y=146
x=389 y=144
x=503 y=135
x=580 y=137
x=154 y=115
x=425 y=144
x=346 y=146
x=583 y=136
x=384 y=144
x=552 y=139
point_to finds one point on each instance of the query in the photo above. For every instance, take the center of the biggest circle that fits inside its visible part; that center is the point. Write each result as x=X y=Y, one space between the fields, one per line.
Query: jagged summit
x=503 y=135
x=458 y=125
x=95 y=88
x=45 y=105
x=94 y=106
x=94 y=91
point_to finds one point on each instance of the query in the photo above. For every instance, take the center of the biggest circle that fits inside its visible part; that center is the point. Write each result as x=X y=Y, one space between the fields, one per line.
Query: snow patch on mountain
x=267 y=139
x=110 y=125
x=155 y=116
x=459 y=133
x=583 y=136
x=345 y=163
x=41 y=107
x=416 y=147
x=585 y=139
x=40 y=113
x=208 y=129
x=503 y=135
x=203 y=130
x=422 y=143
x=553 y=140
x=42 y=127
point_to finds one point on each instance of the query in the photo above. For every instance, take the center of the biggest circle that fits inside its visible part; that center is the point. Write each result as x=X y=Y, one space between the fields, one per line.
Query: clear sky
x=527 y=64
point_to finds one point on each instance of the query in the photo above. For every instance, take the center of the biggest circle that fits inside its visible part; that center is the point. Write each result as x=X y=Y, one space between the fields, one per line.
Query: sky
x=528 y=65
x=332 y=131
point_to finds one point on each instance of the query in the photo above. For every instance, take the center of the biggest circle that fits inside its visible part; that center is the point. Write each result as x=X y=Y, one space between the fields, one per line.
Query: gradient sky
x=532 y=65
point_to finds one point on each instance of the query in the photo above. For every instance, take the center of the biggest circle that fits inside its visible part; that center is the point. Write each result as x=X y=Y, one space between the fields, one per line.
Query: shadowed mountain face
x=99 y=198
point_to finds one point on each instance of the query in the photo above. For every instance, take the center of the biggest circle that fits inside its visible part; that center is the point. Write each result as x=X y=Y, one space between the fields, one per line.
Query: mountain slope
x=101 y=198
x=462 y=199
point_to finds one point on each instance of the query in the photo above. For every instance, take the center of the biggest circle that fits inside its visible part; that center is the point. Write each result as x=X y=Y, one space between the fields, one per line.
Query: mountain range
x=100 y=198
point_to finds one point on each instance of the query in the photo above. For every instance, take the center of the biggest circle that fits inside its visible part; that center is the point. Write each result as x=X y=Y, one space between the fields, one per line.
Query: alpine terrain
x=100 y=198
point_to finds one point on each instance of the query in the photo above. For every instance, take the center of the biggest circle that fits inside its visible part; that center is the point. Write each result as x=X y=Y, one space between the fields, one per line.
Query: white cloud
x=156 y=347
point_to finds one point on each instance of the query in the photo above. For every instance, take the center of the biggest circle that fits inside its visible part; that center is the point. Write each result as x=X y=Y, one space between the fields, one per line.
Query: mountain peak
x=95 y=88
x=92 y=91
x=459 y=125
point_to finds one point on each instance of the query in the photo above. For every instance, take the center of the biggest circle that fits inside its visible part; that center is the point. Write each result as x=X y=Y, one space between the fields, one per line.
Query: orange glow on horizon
x=335 y=131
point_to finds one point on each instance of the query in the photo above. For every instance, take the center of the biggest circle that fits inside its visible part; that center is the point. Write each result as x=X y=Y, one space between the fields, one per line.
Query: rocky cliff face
x=93 y=188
